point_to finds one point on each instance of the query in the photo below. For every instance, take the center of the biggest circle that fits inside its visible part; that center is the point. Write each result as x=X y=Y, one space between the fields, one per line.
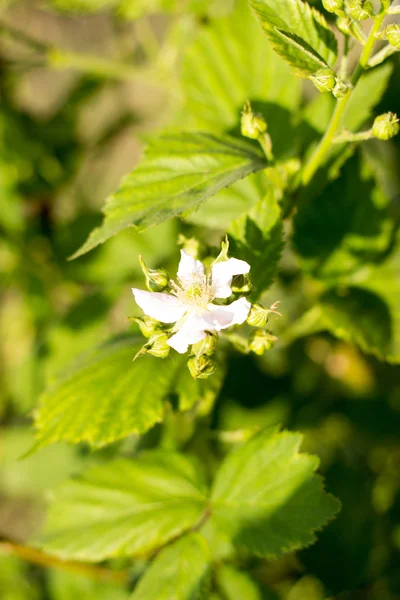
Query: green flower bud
x=334 y=6
x=157 y=345
x=148 y=326
x=156 y=279
x=392 y=33
x=341 y=89
x=201 y=367
x=253 y=125
x=260 y=341
x=324 y=80
x=258 y=316
x=190 y=245
x=241 y=284
x=344 y=25
x=386 y=126
x=206 y=346
x=359 y=10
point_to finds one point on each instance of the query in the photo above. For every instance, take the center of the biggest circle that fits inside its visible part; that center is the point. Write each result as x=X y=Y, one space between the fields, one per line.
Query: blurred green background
x=82 y=82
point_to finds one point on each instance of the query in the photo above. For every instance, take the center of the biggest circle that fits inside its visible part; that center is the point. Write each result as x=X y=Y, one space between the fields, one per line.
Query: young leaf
x=103 y=396
x=258 y=239
x=356 y=316
x=125 y=508
x=298 y=33
x=178 y=172
x=267 y=497
x=181 y=570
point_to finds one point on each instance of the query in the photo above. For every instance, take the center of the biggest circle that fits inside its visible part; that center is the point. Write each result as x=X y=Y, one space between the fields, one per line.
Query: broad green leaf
x=181 y=571
x=366 y=95
x=229 y=62
x=356 y=316
x=103 y=396
x=71 y=586
x=125 y=508
x=238 y=585
x=267 y=497
x=258 y=239
x=384 y=280
x=178 y=172
x=298 y=33
x=82 y=6
x=345 y=226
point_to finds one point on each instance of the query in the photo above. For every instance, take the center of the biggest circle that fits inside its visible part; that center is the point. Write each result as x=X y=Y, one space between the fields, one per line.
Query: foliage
x=269 y=470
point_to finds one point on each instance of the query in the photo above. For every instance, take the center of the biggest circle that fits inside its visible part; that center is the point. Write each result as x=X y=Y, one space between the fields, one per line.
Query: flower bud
x=156 y=279
x=324 y=80
x=359 y=10
x=334 y=6
x=201 y=367
x=148 y=326
x=344 y=25
x=258 y=316
x=206 y=346
x=157 y=345
x=341 y=89
x=260 y=341
x=241 y=284
x=190 y=245
x=392 y=34
x=253 y=125
x=386 y=126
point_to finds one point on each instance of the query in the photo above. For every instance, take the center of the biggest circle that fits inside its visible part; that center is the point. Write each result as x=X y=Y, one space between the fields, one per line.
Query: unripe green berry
x=386 y=126
x=341 y=89
x=201 y=367
x=157 y=345
x=156 y=279
x=359 y=10
x=392 y=34
x=206 y=346
x=253 y=125
x=334 y=6
x=261 y=341
x=324 y=80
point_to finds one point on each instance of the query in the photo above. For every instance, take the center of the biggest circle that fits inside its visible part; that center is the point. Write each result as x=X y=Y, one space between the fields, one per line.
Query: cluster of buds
x=261 y=339
x=359 y=10
x=392 y=35
x=386 y=126
x=325 y=80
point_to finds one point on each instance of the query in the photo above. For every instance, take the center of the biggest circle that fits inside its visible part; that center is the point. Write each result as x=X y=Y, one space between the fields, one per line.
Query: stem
x=348 y=136
x=45 y=560
x=325 y=144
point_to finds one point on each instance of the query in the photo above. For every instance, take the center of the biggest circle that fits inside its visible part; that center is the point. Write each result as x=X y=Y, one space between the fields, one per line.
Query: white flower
x=189 y=305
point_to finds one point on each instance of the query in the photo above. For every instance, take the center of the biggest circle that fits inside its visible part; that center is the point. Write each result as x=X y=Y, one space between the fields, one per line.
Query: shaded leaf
x=103 y=396
x=180 y=571
x=258 y=239
x=178 y=172
x=237 y=585
x=125 y=508
x=298 y=33
x=267 y=497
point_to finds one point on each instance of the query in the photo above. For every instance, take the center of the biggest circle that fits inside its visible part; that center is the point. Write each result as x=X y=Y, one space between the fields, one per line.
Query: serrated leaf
x=258 y=239
x=356 y=316
x=229 y=62
x=125 y=508
x=103 y=396
x=345 y=226
x=178 y=172
x=298 y=32
x=181 y=571
x=267 y=497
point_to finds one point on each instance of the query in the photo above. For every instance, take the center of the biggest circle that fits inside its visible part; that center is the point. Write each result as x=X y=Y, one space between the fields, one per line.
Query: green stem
x=348 y=136
x=326 y=142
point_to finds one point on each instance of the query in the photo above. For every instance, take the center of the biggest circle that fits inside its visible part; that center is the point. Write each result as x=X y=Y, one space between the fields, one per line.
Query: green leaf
x=258 y=239
x=298 y=33
x=181 y=571
x=178 y=172
x=267 y=497
x=366 y=95
x=199 y=391
x=125 y=508
x=70 y=586
x=345 y=226
x=229 y=62
x=356 y=316
x=237 y=585
x=103 y=396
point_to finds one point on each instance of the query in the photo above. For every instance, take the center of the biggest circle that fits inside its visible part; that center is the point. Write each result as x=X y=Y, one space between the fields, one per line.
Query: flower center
x=198 y=294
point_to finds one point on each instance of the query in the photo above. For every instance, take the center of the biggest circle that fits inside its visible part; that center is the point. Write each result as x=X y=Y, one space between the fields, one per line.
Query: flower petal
x=162 y=307
x=190 y=332
x=190 y=270
x=221 y=317
x=222 y=273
